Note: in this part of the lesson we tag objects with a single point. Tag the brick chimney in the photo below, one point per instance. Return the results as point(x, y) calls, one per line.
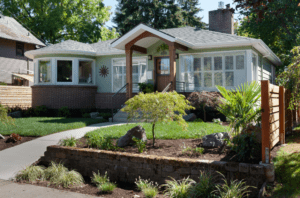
point(221, 20)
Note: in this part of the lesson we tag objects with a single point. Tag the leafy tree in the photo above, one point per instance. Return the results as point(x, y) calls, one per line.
point(275, 22)
point(3, 116)
point(57, 20)
point(159, 14)
point(290, 78)
point(241, 106)
point(158, 107)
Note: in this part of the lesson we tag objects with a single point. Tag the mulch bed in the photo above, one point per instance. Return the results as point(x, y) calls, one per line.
point(4, 144)
point(174, 148)
point(123, 190)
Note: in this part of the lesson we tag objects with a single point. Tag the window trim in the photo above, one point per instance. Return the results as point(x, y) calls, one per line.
point(124, 65)
point(23, 49)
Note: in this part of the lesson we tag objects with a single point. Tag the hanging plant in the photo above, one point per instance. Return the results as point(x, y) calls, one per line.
point(162, 48)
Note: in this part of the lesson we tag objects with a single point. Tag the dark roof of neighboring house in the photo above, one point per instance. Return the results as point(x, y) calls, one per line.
point(13, 30)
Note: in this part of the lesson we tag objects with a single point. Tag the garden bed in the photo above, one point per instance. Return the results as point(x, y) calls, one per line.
point(180, 148)
point(4, 144)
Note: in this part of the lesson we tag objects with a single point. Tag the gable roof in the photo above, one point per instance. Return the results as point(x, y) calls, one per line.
point(189, 36)
point(13, 30)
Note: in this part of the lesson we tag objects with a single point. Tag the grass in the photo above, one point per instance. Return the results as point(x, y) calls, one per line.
point(40, 126)
point(164, 131)
point(287, 170)
point(178, 189)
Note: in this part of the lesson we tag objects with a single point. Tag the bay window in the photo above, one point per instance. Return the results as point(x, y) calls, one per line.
point(64, 71)
point(44, 71)
point(85, 72)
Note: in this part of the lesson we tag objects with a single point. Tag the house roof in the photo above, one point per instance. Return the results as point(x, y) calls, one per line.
point(189, 36)
point(13, 30)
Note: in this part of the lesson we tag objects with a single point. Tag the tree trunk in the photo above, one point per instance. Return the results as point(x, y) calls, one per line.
point(153, 134)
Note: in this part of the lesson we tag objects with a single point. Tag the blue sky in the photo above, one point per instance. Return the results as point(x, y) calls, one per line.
point(206, 5)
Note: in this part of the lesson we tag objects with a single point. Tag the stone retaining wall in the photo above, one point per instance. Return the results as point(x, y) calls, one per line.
point(126, 167)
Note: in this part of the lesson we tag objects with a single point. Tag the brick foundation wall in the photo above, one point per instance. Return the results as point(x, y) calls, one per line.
point(126, 167)
point(57, 96)
point(103, 100)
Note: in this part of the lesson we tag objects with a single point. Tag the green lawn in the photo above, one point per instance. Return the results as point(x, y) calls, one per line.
point(165, 131)
point(40, 126)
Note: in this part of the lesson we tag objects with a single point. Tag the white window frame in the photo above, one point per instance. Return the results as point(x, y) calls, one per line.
point(124, 75)
point(36, 69)
point(222, 54)
point(255, 73)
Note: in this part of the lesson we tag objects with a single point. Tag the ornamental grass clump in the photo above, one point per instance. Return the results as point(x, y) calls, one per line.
point(107, 187)
point(149, 188)
point(31, 173)
point(158, 107)
point(178, 189)
point(70, 142)
point(204, 187)
point(98, 179)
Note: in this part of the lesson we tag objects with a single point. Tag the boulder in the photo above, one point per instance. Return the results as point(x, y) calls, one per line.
point(94, 115)
point(16, 114)
point(2, 137)
point(138, 132)
point(190, 117)
point(215, 139)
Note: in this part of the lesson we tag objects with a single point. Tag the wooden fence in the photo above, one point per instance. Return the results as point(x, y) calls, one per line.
point(276, 118)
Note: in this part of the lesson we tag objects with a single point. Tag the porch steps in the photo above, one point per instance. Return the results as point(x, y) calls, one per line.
point(122, 117)
point(13, 96)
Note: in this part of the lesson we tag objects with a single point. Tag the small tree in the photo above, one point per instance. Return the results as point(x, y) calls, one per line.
point(158, 107)
point(3, 116)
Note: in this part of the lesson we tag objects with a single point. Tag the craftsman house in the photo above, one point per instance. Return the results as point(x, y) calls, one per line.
point(15, 40)
point(80, 75)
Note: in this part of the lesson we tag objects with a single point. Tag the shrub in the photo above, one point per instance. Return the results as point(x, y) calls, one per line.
point(107, 187)
point(105, 116)
point(150, 192)
point(71, 142)
point(204, 187)
point(3, 83)
point(241, 106)
point(86, 115)
point(31, 173)
point(29, 112)
point(146, 87)
point(3, 116)
point(247, 148)
point(217, 121)
point(41, 110)
point(96, 140)
point(140, 144)
point(158, 107)
point(198, 120)
point(178, 189)
point(191, 151)
point(99, 179)
point(236, 189)
point(64, 112)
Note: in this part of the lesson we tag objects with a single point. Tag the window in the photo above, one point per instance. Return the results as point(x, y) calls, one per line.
point(229, 72)
point(20, 49)
point(163, 66)
point(240, 62)
point(64, 71)
point(44, 71)
point(254, 66)
point(139, 69)
point(85, 72)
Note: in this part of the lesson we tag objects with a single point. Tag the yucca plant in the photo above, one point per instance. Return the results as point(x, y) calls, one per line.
point(178, 189)
point(236, 189)
point(31, 173)
point(241, 106)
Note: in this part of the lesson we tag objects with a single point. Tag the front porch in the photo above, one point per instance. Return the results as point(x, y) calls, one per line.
point(138, 40)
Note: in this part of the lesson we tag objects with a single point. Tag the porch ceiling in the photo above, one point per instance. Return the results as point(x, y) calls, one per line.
point(147, 42)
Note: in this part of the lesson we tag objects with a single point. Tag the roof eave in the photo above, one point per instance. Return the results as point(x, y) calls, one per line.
point(33, 53)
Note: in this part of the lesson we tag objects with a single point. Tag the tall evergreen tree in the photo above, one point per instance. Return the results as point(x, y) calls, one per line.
point(159, 14)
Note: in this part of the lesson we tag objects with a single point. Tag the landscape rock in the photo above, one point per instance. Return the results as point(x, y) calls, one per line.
point(215, 139)
point(94, 115)
point(138, 132)
point(190, 117)
point(16, 114)
point(2, 137)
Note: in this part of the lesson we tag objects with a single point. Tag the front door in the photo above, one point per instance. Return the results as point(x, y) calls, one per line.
point(162, 73)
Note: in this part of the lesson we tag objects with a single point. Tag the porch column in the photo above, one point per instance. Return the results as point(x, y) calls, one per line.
point(172, 53)
point(129, 72)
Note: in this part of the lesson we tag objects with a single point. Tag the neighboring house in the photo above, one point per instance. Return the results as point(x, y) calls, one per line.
point(15, 40)
point(73, 74)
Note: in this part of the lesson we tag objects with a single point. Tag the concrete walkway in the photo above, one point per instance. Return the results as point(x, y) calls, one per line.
point(12, 190)
point(14, 159)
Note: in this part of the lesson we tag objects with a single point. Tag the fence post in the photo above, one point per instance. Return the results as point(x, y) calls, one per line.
point(265, 121)
point(281, 115)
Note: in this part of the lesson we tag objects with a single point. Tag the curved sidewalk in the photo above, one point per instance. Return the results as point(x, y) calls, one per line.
point(14, 159)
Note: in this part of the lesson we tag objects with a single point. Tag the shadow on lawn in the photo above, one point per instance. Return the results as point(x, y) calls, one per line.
point(87, 121)
point(287, 171)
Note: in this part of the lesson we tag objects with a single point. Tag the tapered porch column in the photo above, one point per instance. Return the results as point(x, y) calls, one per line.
point(172, 53)
point(129, 72)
